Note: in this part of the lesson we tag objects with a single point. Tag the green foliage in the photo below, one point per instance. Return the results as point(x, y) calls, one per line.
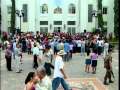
point(116, 18)
point(100, 17)
point(12, 29)
point(93, 30)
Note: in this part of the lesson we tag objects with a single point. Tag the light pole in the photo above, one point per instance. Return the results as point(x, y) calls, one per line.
point(20, 14)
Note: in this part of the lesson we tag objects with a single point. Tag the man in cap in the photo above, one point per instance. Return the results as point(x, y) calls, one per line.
point(59, 74)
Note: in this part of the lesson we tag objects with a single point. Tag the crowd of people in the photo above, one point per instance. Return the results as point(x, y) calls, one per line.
point(54, 46)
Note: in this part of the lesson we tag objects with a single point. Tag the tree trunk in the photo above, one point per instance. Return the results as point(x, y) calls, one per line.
point(100, 17)
point(116, 18)
point(12, 29)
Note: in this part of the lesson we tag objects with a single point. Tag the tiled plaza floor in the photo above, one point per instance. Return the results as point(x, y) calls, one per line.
point(73, 69)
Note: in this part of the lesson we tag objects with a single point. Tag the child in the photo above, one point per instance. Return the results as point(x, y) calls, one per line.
point(30, 81)
point(94, 57)
point(87, 62)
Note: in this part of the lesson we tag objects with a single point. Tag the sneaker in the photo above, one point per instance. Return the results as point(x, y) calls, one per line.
point(21, 69)
point(105, 83)
point(18, 72)
point(93, 72)
point(10, 70)
point(111, 81)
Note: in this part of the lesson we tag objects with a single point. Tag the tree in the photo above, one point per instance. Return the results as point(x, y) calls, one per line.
point(116, 18)
point(12, 29)
point(100, 16)
point(0, 20)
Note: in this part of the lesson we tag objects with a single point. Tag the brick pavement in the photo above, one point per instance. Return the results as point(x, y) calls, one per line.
point(74, 69)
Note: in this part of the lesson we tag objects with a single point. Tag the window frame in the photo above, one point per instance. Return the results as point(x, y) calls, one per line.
point(105, 10)
point(72, 9)
point(57, 22)
point(42, 9)
point(9, 9)
point(68, 22)
point(45, 22)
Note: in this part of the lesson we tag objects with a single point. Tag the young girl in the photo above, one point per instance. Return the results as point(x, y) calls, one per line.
point(94, 57)
point(30, 81)
point(87, 62)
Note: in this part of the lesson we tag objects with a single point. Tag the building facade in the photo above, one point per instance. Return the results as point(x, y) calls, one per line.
point(71, 16)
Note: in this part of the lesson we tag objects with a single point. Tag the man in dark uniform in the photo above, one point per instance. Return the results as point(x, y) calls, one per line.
point(108, 66)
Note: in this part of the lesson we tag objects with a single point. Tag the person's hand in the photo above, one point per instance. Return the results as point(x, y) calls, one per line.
point(65, 77)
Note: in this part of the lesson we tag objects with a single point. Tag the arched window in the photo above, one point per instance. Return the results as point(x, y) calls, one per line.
point(58, 10)
point(72, 9)
point(44, 9)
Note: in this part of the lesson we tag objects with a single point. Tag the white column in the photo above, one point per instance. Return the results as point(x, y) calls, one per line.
point(31, 15)
point(4, 15)
point(83, 15)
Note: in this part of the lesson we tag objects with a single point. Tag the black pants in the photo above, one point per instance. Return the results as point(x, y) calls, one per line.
point(99, 50)
point(48, 67)
point(8, 63)
point(29, 50)
point(66, 57)
point(78, 49)
point(70, 54)
point(51, 58)
point(55, 50)
point(24, 48)
point(35, 63)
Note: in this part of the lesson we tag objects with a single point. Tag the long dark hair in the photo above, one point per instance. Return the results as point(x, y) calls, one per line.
point(29, 76)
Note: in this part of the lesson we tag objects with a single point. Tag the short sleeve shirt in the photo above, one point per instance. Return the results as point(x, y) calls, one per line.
point(59, 64)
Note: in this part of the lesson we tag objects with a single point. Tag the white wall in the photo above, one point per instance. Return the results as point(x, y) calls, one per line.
point(109, 17)
point(52, 17)
point(4, 15)
point(91, 25)
point(34, 16)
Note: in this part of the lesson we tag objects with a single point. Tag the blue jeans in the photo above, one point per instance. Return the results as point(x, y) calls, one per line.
point(82, 50)
point(66, 56)
point(56, 82)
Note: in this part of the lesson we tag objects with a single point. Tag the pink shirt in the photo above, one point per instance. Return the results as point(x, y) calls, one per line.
point(94, 56)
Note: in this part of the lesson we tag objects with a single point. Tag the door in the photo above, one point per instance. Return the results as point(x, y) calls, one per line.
point(57, 29)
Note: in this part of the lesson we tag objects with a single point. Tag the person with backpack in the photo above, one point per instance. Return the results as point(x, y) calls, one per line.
point(108, 67)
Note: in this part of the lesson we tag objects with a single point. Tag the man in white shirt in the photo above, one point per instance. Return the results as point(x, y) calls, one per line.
point(35, 51)
point(78, 45)
point(48, 64)
point(59, 74)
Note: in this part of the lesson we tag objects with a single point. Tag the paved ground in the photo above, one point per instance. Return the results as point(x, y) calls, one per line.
point(74, 69)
